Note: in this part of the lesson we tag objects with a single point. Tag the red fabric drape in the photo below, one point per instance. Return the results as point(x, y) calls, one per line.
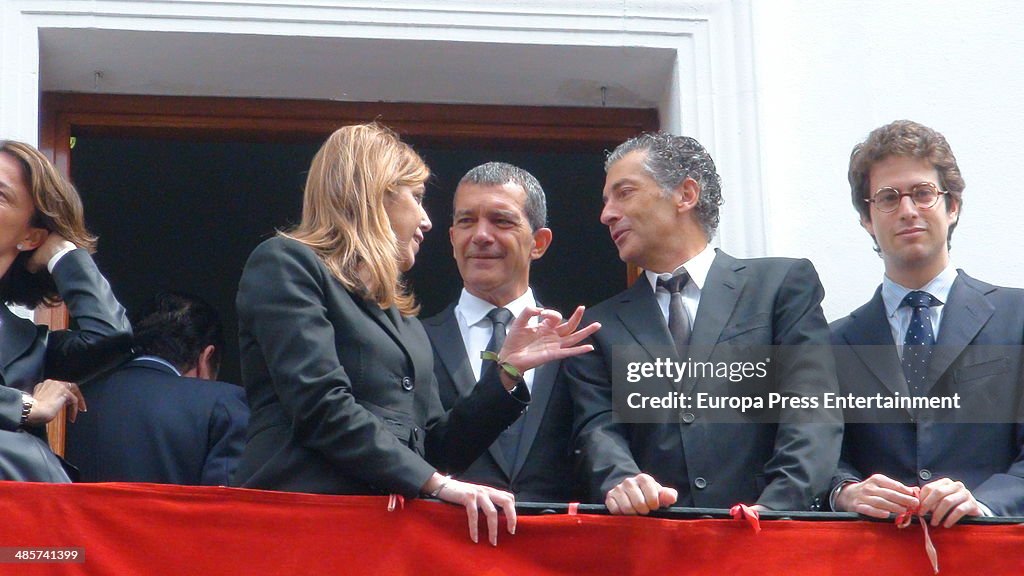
point(154, 530)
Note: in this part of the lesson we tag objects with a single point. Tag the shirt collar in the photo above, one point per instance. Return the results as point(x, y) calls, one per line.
point(939, 287)
point(159, 360)
point(475, 309)
point(697, 267)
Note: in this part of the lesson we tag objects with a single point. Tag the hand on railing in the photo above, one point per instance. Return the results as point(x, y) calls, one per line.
point(476, 498)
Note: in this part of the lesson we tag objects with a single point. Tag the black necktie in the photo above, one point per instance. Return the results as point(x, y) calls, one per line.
point(500, 317)
point(678, 320)
point(918, 343)
point(508, 441)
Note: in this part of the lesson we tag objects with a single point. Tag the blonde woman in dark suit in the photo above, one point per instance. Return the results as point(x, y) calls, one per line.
point(44, 258)
point(337, 369)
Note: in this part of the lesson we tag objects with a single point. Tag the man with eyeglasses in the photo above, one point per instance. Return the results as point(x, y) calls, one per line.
point(929, 333)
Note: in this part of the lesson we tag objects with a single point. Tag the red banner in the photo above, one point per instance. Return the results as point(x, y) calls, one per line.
point(128, 529)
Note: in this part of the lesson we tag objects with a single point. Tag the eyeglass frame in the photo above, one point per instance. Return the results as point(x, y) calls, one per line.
point(900, 195)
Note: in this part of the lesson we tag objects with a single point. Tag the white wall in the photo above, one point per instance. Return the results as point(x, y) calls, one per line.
point(830, 72)
point(778, 90)
point(690, 58)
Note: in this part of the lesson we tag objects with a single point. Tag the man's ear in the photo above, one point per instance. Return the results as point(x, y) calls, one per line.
point(688, 194)
point(205, 367)
point(867, 225)
point(954, 209)
point(541, 242)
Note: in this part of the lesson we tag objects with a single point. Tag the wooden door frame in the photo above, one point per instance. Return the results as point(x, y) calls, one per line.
point(263, 119)
point(547, 128)
point(64, 114)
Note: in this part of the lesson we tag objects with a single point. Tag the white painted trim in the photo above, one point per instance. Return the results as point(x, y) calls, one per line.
point(708, 92)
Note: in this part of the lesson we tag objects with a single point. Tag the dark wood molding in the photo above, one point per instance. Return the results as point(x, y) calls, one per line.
point(549, 128)
point(270, 119)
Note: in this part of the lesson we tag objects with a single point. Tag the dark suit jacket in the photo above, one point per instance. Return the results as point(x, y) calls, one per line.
point(147, 424)
point(978, 356)
point(30, 353)
point(342, 393)
point(542, 471)
point(744, 304)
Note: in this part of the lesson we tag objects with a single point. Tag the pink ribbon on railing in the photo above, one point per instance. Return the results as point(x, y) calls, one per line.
point(744, 512)
point(904, 519)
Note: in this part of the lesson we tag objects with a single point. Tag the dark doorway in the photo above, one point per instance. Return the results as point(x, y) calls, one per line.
point(175, 214)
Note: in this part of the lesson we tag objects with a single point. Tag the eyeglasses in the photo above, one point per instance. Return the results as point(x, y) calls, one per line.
point(925, 195)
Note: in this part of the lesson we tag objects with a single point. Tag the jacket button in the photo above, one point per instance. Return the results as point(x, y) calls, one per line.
point(925, 474)
point(688, 418)
point(406, 383)
point(700, 482)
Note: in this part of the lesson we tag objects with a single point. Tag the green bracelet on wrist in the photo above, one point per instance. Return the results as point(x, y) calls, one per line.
point(509, 369)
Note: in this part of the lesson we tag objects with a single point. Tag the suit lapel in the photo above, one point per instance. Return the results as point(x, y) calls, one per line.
point(718, 299)
point(499, 458)
point(543, 382)
point(449, 347)
point(384, 318)
point(963, 316)
point(394, 325)
point(641, 315)
point(870, 337)
point(452, 353)
point(16, 336)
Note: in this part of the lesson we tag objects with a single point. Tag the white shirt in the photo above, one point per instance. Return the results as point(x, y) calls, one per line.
point(899, 316)
point(698, 268)
point(476, 327)
point(159, 360)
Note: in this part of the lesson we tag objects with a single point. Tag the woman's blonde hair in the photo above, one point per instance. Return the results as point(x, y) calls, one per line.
point(343, 216)
point(58, 208)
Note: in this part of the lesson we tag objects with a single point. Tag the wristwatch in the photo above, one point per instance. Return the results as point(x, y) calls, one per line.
point(27, 403)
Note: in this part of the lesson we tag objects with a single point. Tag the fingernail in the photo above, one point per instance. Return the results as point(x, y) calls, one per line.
point(513, 530)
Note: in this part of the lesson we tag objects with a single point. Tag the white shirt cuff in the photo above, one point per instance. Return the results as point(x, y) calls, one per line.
point(985, 511)
point(56, 258)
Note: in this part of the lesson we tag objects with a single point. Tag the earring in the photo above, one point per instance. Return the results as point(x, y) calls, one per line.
point(21, 247)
